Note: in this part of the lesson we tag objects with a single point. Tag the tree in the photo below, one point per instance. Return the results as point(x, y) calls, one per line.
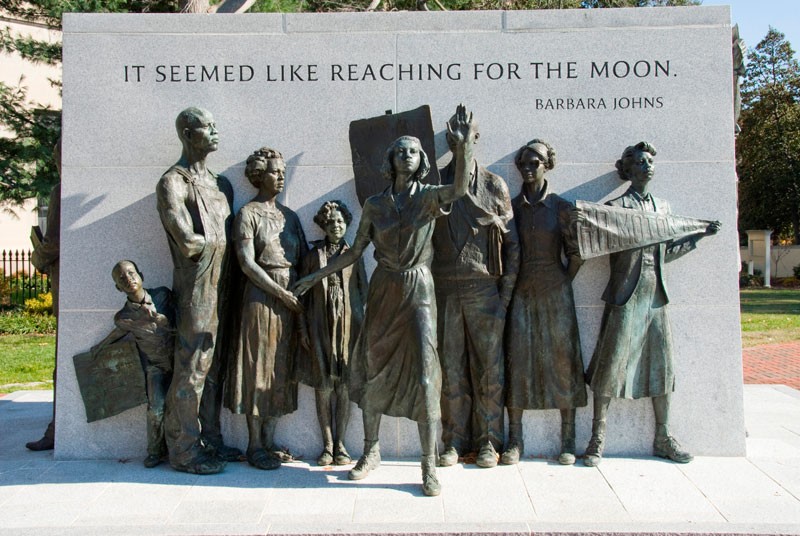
point(768, 146)
point(26, 159)
point(453, 5)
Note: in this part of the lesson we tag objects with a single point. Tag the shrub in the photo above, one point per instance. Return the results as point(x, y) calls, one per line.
point(20, 323)
point(5, 290)
point(788, 282)
point(750, 281)
point(796, 271)
point(40, 305)
point(16, 288)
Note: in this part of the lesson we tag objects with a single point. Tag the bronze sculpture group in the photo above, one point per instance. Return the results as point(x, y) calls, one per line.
point(469, 311)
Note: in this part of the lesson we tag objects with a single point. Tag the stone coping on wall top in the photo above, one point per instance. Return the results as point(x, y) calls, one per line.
point(405, 22)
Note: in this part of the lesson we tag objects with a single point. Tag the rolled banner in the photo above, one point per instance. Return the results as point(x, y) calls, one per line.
point(603, 229)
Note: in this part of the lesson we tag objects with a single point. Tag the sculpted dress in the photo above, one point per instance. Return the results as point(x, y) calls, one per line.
point(545, 367)
point(395, 368)
point(633, 358)
point(262, 381)
point(335, 312)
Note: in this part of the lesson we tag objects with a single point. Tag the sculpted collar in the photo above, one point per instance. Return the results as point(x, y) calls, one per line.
point(410, 191)
point(147, 300)
point(325, 245)
point(641, 198)
point(546, 199)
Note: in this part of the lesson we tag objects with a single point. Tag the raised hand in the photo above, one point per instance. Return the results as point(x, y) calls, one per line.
point(460, 128)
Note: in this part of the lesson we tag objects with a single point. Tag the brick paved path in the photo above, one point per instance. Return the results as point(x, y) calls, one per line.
point(773, 363)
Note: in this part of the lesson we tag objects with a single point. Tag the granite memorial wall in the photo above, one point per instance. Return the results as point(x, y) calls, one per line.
point(590, 82)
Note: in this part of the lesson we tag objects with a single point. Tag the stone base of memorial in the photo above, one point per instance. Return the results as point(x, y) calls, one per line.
point(591, 82)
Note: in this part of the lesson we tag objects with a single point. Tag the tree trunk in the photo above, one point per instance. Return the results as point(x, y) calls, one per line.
point(233, 6)
point(194, 6)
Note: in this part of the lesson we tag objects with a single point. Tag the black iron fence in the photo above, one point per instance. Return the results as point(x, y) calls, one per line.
point(19, 279)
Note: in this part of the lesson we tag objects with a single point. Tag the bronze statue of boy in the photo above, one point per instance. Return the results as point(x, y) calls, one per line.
point(148, 317)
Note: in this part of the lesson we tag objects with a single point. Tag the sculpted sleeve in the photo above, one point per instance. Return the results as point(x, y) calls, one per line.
point(511, 250)
point(568, 237)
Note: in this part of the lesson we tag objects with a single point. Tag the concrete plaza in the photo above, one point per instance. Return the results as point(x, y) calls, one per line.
point(759, 494)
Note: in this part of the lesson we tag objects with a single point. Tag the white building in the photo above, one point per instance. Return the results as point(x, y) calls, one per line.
point(16, 222)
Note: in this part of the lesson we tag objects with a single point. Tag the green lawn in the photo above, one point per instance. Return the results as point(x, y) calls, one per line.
point(770, 316)
point(26, 360)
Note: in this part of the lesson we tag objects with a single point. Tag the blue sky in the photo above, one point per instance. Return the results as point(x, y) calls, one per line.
point(756, 16)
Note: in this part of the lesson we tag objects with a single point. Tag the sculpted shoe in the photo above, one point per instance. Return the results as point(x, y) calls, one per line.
point(326, 458)
point(229, 454)
point(512, 453)
point(366, 463)
point(567, 456)
point(448, 457)
point(205, 464)
point(152, 460)
point(282, 454)
point(594, 451)
point(430, 483)
point(487, 456)
point(341, 457)
point(669, 448)
point(45, 443)
point(261, 459)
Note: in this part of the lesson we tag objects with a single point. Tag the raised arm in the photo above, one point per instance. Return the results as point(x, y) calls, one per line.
point(676, 249)
point(171, 194)
point(463, 133)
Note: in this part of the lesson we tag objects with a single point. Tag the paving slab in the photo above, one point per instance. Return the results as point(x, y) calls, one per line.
point(576, 493)
point(502, 487)
point(654, 490)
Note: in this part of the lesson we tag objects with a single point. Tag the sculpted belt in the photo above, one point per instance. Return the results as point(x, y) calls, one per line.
point(447, 284)
point(403, 270)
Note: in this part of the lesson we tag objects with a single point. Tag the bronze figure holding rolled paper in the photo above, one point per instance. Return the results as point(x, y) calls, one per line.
point(634, 355)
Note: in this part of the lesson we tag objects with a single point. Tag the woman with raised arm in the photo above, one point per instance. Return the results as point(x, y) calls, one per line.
point(395, 370)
